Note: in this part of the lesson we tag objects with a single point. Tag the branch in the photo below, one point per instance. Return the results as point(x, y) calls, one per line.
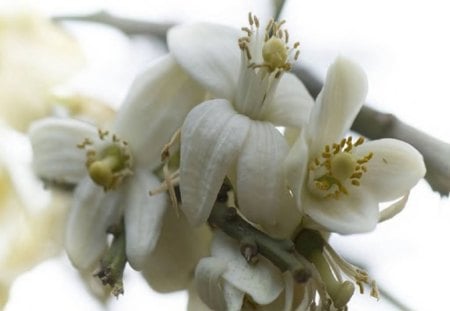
point(280, 252)
point(375, 124)
point(126, 25)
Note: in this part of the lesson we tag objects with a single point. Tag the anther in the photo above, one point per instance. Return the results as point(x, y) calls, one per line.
point(286, 36)
point(355, 182)
point(256, 21)
point(250, 18)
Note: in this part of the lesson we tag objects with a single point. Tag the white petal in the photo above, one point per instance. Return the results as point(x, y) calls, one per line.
point(295, 168)
point(55, 153)
point(143, 217)
point(262, 281)
point(393, 209)
point(338, 103)
point(260, 183)
point(291, 103)
point(93, 211)
point(353, 213)
point(395, 168)
point(233, 297)
point(156, 105)
point(211, 138)
point(208, 282)
point(165, 270)
point(210, 54)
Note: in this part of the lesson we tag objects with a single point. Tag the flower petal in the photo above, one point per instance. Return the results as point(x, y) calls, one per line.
point(210, 54)
point(260, 183)
point(165, 270)
point(393, 209)
point(93, 211)
point(337, 105)
point(143, 217)
point(263, 281)
point(55, 153)
point(208, 282)
point(354, 213)
point(295, 168)
point(233, 297)
point(291, 103)
point(156, 105)
point(394, 169)
point(211, 138)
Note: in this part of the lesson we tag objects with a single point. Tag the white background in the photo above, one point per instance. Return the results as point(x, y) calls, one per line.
point(404, 48)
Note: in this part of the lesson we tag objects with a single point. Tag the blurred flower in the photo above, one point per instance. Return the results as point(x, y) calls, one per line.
point(235, 134)
point(76, 105)
point(31, 221)
point(113, 170)
point(35, 56)
point(339, 182)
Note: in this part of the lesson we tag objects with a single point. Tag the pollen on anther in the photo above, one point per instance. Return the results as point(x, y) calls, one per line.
point(286, 36)
point(250, 19)
point(355, 182)
point(256, 21)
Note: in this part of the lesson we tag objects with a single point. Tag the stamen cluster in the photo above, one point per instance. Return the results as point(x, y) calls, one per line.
point(270, 51)
point(336, 167)
point(109, 162)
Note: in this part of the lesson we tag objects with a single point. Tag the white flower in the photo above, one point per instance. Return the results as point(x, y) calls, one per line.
point(235, 134)
point(223, 279)
point(339, 182)
point(113, 170)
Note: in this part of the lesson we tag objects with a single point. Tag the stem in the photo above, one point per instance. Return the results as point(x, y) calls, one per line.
point(279, 252)
point(113, 262)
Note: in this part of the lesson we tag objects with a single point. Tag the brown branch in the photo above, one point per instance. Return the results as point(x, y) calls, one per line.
point(375, 124)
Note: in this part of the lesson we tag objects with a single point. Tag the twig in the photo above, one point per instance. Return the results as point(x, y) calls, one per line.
point(126, 25)
point(279, 252)
point(375, 124)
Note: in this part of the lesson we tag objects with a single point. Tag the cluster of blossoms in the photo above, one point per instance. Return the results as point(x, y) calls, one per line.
point(217, 102)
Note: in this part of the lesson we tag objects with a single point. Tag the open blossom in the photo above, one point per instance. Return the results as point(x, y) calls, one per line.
point(113, 169)
point(339, 181)
point(234, 134)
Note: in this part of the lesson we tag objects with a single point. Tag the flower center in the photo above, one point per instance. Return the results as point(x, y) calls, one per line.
point(109, 161)
point(265, 57)
point(274, 53)
point(269, 50)
point(337, 168)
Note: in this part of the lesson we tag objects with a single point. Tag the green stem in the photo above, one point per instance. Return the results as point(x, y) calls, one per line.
point(114, 261)
point(280, 252)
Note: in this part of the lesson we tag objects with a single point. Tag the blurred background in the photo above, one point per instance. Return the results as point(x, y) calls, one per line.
point(402, 45)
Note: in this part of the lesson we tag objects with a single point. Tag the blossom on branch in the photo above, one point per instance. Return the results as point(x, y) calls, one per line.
point(339, 181)
point(235, 133)
point(113, 169)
